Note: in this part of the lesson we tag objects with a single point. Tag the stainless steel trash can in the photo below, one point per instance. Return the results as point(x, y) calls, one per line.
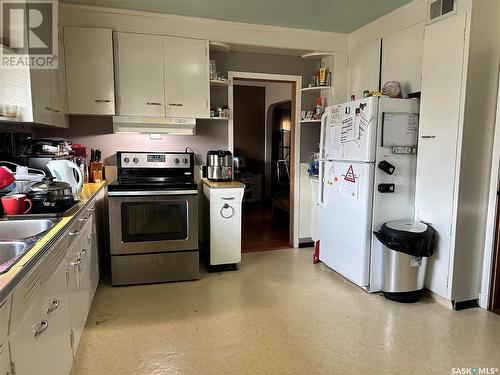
point(407, 245)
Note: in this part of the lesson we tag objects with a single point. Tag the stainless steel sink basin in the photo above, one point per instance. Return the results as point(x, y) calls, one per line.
point(22, 229)
point(10, 252)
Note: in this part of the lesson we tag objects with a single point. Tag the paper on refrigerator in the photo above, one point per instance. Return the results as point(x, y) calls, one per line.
point(350, 129)
point(363, 120)
point(333, 146)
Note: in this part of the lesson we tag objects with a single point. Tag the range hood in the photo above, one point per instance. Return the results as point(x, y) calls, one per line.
point(165, 125)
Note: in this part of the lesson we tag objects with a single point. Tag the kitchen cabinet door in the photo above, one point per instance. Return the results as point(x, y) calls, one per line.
point(89, 70)
point(4, 345)
point(139, 71)
point(58, 92)
point(440, 113)
point(402, 57)
point(59, 355)
point(186, 77)
point(4, 359)
point(364, 69)
point(78, 289)
point(94, 254)
point(41, 100)
point(28, 346)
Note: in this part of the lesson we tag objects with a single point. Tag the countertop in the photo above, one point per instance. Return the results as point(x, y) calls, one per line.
point(9, 279)
point(223, 184)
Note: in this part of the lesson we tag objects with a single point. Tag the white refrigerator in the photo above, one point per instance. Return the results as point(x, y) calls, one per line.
point(367, 177)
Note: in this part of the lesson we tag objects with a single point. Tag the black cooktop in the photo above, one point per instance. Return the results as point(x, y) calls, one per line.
point(164, 183)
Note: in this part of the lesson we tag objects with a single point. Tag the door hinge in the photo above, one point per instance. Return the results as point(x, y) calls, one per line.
point(12, 368)
point(71, 338)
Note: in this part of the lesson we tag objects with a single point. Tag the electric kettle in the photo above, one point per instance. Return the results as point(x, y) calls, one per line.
point(64, 170)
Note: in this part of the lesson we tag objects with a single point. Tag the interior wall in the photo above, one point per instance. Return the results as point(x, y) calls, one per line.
point(97, 132)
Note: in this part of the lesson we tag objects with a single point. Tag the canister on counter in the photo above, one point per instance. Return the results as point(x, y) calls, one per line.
point(366, 93)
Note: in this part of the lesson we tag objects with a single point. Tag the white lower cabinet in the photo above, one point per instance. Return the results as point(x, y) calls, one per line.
point(49, 307)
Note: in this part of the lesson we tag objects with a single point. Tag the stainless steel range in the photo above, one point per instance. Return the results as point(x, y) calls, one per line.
point(153, 218)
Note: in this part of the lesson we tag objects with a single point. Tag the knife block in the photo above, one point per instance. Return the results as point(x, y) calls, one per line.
point(95, 171)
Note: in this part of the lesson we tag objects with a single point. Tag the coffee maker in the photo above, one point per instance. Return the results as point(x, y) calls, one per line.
point(220, 165)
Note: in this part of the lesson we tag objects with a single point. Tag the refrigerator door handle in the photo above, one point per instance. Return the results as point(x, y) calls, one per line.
point(321, 185)
point(324, 118)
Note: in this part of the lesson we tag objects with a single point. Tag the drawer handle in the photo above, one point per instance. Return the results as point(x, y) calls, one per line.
point(84, 251)
point(176, 105)
point(77, 262)
point(91, 209)
point(226, 207)
point(102, 101)
point(229, 198)
point(428, 136)
point(54, 306)
point(42, 327)
point(1, 348)
point(56, 110)
point(153, 103)
point(74, 233)
point(48, 109)
point(85, 219)
point(91, 236)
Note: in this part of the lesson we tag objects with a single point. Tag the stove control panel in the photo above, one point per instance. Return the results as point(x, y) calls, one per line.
point(154, 160)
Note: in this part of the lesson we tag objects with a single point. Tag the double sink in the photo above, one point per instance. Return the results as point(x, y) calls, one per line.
point(17, 237)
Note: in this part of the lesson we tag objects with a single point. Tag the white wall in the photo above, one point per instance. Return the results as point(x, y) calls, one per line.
point(203, 28)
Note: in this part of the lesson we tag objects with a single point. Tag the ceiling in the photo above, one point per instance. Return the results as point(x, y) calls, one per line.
point(341, 16)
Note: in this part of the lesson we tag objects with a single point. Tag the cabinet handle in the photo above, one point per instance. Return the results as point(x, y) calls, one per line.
point(428, 136)
point(77, 262)
point(229, 198)
point(84, 251)
point(175, 104)
point(1, 348)
point(42, 327)
point(225, 207)
point(54, 306)
point(153, 103)
point(48, 109)
point(74, 233)
point(102, 101)
point(91, 209)
point(91, 236)
point(85, 219)
point(56, 110)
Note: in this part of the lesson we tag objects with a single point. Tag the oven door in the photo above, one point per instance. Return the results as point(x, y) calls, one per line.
point(151, 222)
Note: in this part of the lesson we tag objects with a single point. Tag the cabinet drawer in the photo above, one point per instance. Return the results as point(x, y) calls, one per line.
point(226, 196)
point(28, 291)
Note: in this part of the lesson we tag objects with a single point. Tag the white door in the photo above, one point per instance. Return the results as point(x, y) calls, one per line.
point(27, 345)
point(402, 57)
point(440, 114)
point(364, 69)
point(89, 70)
point(139, 70)
point(345, 221)
point(58, 91)
point(186, 77)
point(40, 96)
point(78, 289)
point(59, 355)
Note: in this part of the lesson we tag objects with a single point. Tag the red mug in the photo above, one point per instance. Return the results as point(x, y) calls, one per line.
point(16, 204)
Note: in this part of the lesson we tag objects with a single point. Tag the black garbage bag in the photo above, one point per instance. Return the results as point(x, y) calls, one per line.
point(419, 244)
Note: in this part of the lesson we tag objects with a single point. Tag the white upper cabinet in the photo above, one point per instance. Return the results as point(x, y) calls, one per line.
point(58, 91)
point(89, 70)
point(161, 76)
point(41, 102)
point(402, 57)
point(186, 77)
point(364, 69)
point(440, 114)
point(139, 71)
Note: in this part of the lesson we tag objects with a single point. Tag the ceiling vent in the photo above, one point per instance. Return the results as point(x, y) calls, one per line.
point(439, 9)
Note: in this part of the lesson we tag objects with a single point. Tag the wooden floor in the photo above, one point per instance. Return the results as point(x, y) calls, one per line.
point(261, 230)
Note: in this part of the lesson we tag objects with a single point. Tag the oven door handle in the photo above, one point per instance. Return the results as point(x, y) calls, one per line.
point(150, 193)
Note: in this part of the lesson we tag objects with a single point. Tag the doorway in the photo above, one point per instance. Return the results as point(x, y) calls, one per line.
point(262, 139)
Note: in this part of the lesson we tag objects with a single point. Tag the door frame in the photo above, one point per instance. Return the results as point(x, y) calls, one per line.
point(296, 82)
point(491, 219)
